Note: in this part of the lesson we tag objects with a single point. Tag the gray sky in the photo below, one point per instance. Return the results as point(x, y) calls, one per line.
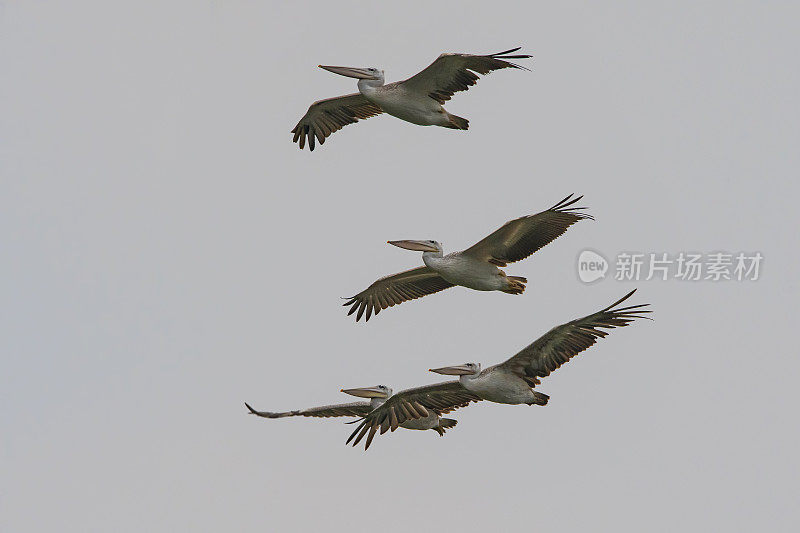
point(168, 253)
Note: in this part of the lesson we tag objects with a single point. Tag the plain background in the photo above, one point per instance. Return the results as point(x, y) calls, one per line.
point(168, 253)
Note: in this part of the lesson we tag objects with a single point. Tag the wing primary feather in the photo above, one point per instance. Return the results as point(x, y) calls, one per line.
point(355, 432)
point(371, 435)
point(363, 432)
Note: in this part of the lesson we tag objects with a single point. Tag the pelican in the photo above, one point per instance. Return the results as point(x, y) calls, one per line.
point(430, 419)
point(512, 381)
point(476, 267)
point(417, 408)
point(377, 396)
point(417, 100)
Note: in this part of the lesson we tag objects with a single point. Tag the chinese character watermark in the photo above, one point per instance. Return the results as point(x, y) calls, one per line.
point(663, 266)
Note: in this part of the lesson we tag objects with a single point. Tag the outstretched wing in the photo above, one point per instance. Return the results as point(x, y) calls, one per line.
point(396, 289)
point(328, 116)
point(412, 404)
point(564, 342)
point(451, 73)
point(519, 238)
point(325, 411)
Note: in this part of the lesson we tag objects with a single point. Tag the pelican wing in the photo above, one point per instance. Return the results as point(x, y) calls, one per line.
point(519, 238)
point(325, 411)
point(451, 73)
point(328, 116)
point(396, 289)
point(413, 404)
point(563, 342)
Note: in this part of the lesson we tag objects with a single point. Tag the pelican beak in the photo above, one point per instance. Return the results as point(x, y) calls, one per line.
point(366, 392)
point(457, 370)
point(350, 72)
point(418, 246)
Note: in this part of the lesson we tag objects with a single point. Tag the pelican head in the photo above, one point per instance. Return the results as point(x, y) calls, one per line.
point(380, 391)
point(467, 369)
point(418, 246)
point(353, 72)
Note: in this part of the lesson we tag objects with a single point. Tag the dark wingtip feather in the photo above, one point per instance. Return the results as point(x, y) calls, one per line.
point(371, 436)
point(353, 434)
point(562, 203)
point(610, 307)
point(518, 66)
point(630, 312)
point(565, 206)
point(504, 56)
point(506, 52)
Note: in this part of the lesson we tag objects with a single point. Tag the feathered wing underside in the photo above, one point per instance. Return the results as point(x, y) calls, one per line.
point(396, 289)
point(326, 117)
point(413, 404)
point(519, 238)
point(564, 342)
point(325, 411)
point(451, 73)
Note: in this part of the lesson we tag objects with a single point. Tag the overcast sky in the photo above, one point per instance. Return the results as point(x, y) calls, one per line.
point(168, 253)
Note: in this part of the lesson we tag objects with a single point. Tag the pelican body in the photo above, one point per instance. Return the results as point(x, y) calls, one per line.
point(417, 100)
point(419, 418)
point(463, 269)
point(400, 102)
point(512, 381)
point(417, 408)
point(476, 268)
point(495, 384)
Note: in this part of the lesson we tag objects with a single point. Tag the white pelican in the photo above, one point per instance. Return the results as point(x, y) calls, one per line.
point(476, 267)
point(429, 419)
point(417, 100)
point(377, 396)
point(417, 408)
point(512, 381)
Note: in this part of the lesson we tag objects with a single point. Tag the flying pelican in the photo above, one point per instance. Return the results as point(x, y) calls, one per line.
point(430, 419)
point(476, 267)
point(512, 381)
point(417, 408)
point(421, 416)
point(417, 100)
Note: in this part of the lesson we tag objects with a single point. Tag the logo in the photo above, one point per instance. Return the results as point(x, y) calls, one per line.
point(591, 266)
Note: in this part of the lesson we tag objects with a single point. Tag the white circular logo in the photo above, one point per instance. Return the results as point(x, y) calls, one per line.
point(591, 266)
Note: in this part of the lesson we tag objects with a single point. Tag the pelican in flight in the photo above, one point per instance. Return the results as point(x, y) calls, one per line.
point(418, 408)
point(417, 100)
point(377, 396)
point(476, 267)
point(423, 419)
point(512, 381)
